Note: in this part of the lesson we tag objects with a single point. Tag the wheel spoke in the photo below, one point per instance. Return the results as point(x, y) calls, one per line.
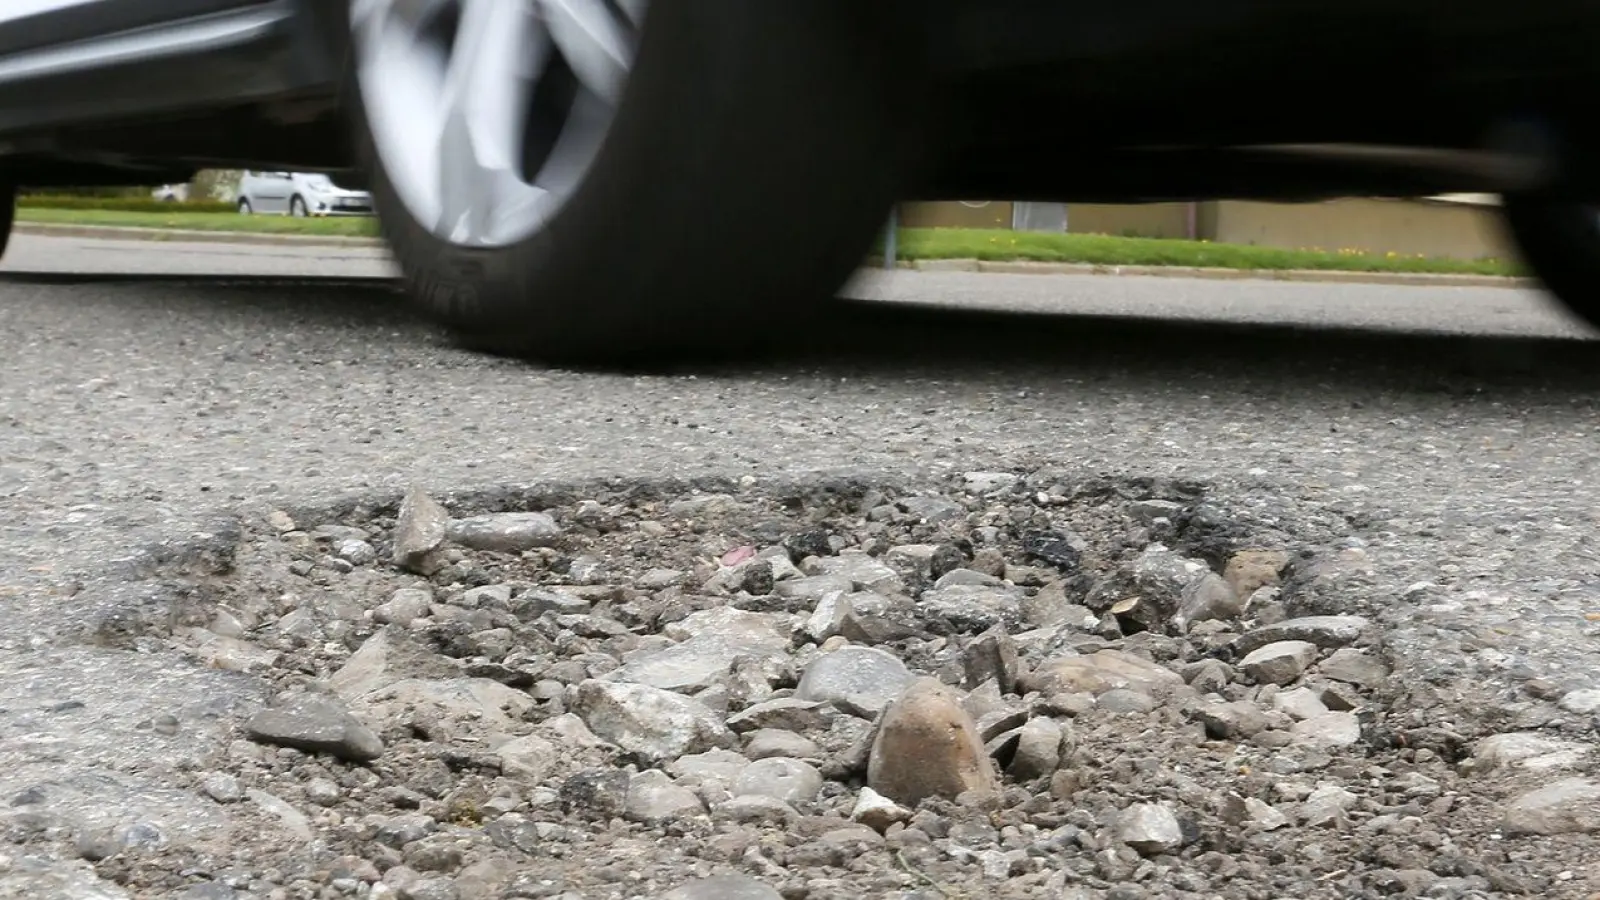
point(498, 47)
point(487, 114)
point(368, 17)
point(596, 39)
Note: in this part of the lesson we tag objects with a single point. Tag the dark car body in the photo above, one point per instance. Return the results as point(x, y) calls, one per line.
point(1132, 101)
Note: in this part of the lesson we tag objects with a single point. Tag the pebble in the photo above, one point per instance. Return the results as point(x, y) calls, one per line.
point(1581, 702)
point(1527, 750)
point(1353, 666)
point(404, 606)
point(420, 529)
point(1280, 662)
point(866, 678)
point(654, 798)
point(316, 724)
point(1150, 828)
point(878, 812)
point(1325, 631)
point(504, 532)
point(657, 725)
point(1102, 671)
point(791, 780)
point(1250, 570)
point(1328, 730)
point(768, 742)
point(222, 787)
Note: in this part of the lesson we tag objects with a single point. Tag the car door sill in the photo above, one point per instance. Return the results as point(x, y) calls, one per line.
point(217, 31)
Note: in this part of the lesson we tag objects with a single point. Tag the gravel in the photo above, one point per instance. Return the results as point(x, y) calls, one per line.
point(619, 709)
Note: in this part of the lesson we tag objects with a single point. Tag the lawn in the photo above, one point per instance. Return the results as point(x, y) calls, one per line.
point(201, 221)
point(914, 244)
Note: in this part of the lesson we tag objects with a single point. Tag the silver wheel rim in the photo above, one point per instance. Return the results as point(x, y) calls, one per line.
point(487, 114)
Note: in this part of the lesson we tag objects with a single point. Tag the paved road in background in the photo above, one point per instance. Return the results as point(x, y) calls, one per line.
point(131, 409)
point(1462, 310)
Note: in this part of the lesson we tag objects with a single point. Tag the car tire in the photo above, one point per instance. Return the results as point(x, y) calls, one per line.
point(244, 207)
point(297, 208)
point(8, 215)
point(1559, 240)
point(750, 163)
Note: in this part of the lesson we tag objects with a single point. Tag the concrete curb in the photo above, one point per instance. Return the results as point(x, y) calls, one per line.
point(1324, 276)
point(118, 232)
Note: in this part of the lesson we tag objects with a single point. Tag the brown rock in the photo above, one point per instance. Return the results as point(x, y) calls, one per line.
point(1102, 671)
point(927, 746)
point(1252, 569)
point(419, 530)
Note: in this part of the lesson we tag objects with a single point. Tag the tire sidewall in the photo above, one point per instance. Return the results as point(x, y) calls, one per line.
point(658, 193)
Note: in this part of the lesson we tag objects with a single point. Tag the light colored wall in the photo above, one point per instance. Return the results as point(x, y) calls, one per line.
point(1153, 220)
point(1407, 227)
point(1425, 227)
point(995, 214)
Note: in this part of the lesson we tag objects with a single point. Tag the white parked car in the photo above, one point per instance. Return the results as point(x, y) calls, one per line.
point(299, 194)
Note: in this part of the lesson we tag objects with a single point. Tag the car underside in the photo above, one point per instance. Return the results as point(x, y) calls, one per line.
point(1044, 101)
point(1135, 102)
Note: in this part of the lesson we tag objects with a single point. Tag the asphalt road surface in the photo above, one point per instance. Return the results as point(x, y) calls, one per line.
point(133, 408)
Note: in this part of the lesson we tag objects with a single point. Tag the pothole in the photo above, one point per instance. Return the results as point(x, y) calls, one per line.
point(996, 686)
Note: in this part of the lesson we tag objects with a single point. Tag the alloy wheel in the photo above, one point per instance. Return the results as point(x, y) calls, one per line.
point(486, 114)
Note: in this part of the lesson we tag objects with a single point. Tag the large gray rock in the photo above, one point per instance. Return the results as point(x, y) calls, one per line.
point(724, 887)
point(1039, 746)
point(449, 709)
point(654, 798)
point(1326, 632)
point(972, 608)
point(1205, 598)
point(790, 780)
point(1280, 662)
point(710, 640)
point(505, 532)
point(387, 657)
point(530, 758)
point(316, 724)
point(865, 572)
point(1153, 586)
point(928, 746)
point(1150, 828)
point(1527, 750)
point(1328, 731)
point(657, 725)
point(863, 678)
point(1356, 667)
point(1568, 806)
